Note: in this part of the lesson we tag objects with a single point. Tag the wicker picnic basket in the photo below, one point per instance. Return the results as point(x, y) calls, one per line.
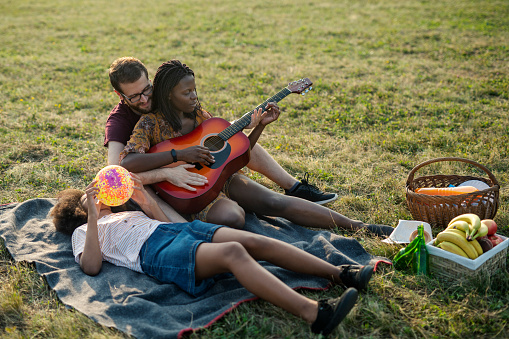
point(451, 271)
point(439, 210)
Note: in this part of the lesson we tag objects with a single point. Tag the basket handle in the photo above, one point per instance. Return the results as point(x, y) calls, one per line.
point(412, 172)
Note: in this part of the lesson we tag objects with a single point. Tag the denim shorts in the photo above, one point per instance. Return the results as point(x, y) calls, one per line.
point(169, 254)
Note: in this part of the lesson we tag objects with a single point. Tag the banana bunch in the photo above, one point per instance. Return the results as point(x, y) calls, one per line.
point(460, 236)
point(470, 224)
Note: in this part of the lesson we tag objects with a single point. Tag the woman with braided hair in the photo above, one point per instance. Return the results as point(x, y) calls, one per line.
point(178, 112)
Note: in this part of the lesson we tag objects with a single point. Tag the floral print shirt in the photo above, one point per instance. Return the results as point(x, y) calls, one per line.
point(151, 129)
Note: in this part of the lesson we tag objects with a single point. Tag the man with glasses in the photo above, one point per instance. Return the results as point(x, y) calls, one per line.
point(129, 78)
point(147, 91)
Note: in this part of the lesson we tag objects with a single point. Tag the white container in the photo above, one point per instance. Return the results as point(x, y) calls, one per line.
point(402, 232)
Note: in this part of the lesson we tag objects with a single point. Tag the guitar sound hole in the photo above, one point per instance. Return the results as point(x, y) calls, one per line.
point(214, 143)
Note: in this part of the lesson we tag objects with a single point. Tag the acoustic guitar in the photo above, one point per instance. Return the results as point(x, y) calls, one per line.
point(229, 146)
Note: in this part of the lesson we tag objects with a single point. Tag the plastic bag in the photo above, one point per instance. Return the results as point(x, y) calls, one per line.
point(415, 255)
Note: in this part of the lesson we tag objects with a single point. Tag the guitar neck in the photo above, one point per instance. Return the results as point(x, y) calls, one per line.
point(239, 125)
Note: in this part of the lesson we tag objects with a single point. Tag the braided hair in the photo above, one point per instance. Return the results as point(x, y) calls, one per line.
point(168, 76)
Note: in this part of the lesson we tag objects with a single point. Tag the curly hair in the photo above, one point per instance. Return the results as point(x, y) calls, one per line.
point(68, 213)
point(168, 76)
point(126, 70)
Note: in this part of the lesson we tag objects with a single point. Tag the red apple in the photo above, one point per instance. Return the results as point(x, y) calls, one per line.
point(492, 226)
point(495, 240)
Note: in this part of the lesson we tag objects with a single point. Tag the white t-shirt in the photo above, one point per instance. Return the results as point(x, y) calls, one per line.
point(121, 236)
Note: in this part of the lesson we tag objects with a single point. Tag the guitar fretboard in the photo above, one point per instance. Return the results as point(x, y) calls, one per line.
point(238, 125)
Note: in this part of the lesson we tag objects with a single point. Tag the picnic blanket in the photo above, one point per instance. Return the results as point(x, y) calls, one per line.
point(139, 305)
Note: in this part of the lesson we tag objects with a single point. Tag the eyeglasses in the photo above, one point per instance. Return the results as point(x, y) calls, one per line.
point(137, 97)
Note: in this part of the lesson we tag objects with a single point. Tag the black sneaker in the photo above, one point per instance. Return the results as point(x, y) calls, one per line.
point(356, 276)
point(332, 312)
point(305, 190)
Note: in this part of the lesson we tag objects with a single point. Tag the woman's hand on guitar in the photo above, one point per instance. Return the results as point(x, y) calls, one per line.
point(259, 116)
point(181, 177)
point(256, 117)
point(272, 110)
point(195, 154)
point(264, 118)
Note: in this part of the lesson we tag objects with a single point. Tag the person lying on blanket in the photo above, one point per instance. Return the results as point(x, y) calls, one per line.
point(190, 254)
point(177, 111)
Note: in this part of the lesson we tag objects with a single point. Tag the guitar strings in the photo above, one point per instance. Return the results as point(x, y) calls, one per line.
point(246, 118)
point(219, 140)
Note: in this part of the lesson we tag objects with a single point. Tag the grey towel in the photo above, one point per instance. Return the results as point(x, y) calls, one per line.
point(139, 305)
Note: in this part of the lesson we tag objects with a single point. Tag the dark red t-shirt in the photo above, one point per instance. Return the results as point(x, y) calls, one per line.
point(120, 124)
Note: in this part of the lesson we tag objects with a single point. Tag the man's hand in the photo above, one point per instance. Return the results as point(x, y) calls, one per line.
point(195, 154)
point(181, 177)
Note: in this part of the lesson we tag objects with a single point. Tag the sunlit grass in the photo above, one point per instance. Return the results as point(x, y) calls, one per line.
point(395, 84)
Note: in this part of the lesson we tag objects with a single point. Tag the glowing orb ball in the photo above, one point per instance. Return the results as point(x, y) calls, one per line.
point(115, 185)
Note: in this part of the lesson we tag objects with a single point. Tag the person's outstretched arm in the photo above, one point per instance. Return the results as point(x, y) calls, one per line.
point(178, 176)
point(142, 162)
point(91, 258)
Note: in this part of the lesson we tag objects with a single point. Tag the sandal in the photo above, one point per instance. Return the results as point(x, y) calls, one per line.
point(332, 312)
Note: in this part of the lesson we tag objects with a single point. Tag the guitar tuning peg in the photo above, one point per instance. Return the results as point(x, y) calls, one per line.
point(310, 88)
point(303, 93)
point(307, 90)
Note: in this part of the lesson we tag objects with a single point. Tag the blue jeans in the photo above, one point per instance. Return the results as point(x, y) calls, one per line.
point(169, 254)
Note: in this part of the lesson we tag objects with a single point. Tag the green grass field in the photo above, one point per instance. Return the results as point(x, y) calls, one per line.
point(395, 83)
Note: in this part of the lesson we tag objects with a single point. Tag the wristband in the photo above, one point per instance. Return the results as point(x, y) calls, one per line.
point(174, 155)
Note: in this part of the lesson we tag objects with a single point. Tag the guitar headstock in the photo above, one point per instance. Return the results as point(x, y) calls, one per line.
point(301, 86)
